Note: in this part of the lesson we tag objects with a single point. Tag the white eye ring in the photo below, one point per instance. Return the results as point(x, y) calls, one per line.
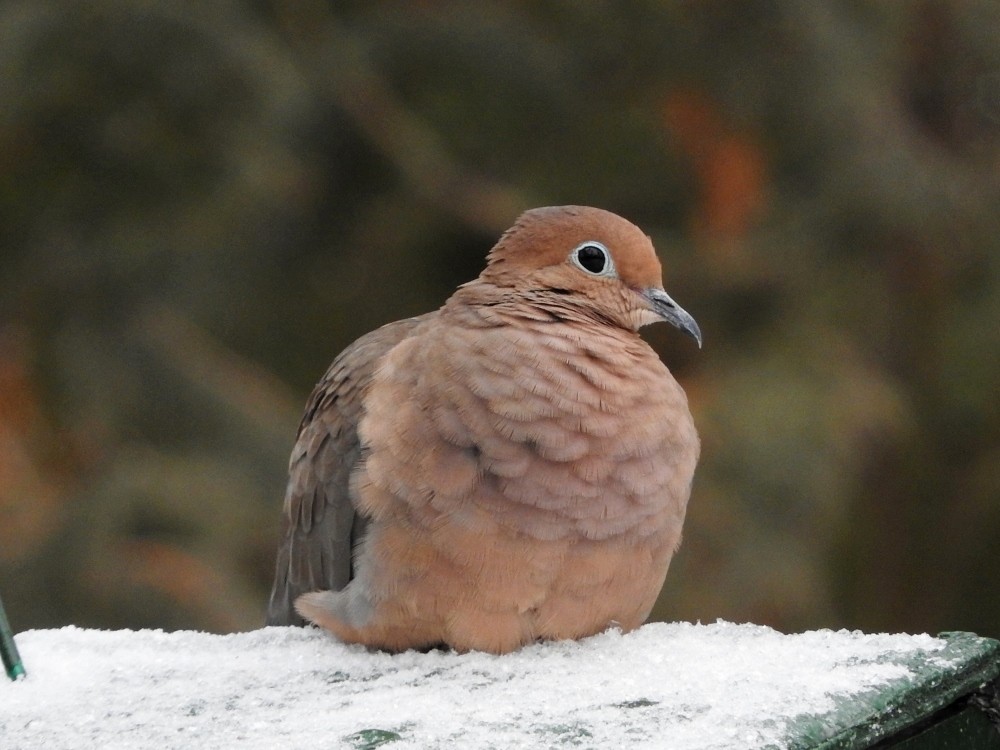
point(597, 263)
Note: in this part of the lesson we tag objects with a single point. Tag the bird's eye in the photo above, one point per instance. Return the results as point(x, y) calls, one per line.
point(593, 258)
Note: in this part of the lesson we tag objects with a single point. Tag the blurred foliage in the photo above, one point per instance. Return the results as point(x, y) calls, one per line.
point(202, 203)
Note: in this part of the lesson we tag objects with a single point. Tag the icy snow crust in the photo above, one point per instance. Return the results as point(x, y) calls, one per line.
point(666, 685)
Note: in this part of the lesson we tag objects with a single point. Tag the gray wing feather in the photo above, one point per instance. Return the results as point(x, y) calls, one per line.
point(320, 525)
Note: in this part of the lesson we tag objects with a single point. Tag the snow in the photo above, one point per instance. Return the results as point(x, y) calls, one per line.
point(664, 685)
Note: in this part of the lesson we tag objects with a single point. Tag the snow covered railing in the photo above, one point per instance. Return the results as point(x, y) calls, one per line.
point(666, 685)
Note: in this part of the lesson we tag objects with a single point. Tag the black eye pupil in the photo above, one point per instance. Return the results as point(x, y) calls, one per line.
point(592, 258)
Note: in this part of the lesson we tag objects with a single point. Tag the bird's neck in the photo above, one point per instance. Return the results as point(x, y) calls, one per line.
point(483, 304)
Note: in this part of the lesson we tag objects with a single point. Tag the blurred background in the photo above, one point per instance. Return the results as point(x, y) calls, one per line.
point(201, 204)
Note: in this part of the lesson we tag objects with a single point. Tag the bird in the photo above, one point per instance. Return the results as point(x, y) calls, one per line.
point(514, 467)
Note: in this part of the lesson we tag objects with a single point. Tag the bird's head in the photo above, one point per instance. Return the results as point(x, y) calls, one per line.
point(585, 261)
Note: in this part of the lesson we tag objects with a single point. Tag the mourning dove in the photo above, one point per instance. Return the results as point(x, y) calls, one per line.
point(510, 468)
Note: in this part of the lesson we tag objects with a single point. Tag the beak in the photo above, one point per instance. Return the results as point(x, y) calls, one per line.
point(661, 304)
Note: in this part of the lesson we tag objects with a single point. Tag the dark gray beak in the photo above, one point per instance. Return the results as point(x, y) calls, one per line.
point(661, 304)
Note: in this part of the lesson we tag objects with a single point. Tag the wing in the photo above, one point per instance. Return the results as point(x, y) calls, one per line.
point(320, 525)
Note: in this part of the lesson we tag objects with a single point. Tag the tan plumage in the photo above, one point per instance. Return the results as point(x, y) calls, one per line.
point(514, 466)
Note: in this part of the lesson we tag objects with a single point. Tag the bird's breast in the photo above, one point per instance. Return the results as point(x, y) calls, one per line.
point(544, 430)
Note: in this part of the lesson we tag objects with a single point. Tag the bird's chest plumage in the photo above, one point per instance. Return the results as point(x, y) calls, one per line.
point(522, 482)
point(547, 430)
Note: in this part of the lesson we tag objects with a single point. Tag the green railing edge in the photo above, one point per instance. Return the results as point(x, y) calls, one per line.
point(876, 715)
point(8, 649)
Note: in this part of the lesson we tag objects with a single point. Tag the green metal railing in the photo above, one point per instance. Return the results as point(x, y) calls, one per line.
point(8, 649)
